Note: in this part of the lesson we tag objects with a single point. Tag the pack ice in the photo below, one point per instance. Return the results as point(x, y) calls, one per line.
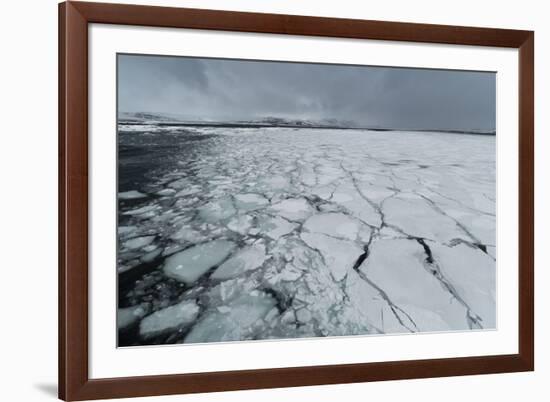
point(244, 234)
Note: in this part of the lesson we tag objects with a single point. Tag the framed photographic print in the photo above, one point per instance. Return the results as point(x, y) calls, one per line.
point(258, 200)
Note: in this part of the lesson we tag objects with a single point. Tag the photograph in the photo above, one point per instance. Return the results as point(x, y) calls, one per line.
point(267, 200)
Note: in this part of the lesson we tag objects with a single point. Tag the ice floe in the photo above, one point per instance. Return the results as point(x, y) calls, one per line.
point(129, 315)
point(236, 322)
point(286, 233)
point(339, 255)
point(333, 224)
point(166, 192)
point(138, 242)
point(146, 210)
point(293, 209)
point(188, 265)
point(131, 195)
point(398, 268)
point(240, 224)
point(275, 227)
point(470, 271)
point(247, 202)
point(217, 210)
point(246, 259)
point(169, 318)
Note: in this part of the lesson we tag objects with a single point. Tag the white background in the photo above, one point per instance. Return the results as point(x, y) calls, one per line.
point(28, 155)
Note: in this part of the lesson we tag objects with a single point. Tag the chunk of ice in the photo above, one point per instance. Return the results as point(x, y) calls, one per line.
point(217, 210)
point(303, 315)
point(131, 195)
point(294, 209)
point(333, 224)
point(189, 191)
point(188, 265)
point(240, 224)
point(416, 217)
point(166, 192)
point(129, 315)
point(472, 274)
point(151, 255)
point(247, 259)
point(348, 196)
point(397, 267)
point(138, 242)
point(275, 227)
point(169, 318)
point(141, 211)
point(236, 324)
point(249, 202)
point(339, 255)
point(124, 230)
point(186, 233)
point(368, 306)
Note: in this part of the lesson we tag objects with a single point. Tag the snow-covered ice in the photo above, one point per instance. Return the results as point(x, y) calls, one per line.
point(275, 227)
point(247, 202)
point(138, 242)
point(169, 318)
point(129, 315)
point(397, 268)
point(338, 255)
point(131, 195)
point(264, 233)
point(235, 322)
point(188, 265)
point(333, 224)
point(246, 259)
point(293, 209)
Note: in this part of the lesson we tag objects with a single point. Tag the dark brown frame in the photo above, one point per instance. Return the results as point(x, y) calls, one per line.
point(74, 383)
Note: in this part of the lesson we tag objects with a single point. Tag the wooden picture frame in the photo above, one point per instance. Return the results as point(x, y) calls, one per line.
point(74, 381)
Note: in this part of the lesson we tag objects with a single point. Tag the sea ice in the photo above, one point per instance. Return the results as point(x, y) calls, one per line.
point(246, 259)
point(348, 196)
point(188, 191)
point(398, 268)
point(141, 211)
point(138, 242)
point(217, 210)
point(240, 224)
point(188, 265)
point(150, 256)
point(284, 232)
point(333, 224)
point(275, 227)
point(124, 230)
point(166, 192)
point(293, 209)
point(248, 202)
point(169, 318)
point(237, 323)
point(303, 315)
point(471, 273)
point(368, 306)
point(416, 217)
point(129, 315)
point(131, 195)
point(339, 255)
point(187, 233)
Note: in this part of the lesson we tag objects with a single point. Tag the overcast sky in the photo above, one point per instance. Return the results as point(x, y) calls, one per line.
point(222, 90)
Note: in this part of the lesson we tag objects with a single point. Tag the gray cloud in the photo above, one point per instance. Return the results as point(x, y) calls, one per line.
point(220, 89)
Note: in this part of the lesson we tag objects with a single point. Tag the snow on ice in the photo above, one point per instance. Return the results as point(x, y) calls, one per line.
point(243, 234)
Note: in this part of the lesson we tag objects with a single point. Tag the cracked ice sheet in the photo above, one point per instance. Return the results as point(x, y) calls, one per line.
point(472, 274)
point(317, 225)
point(398, 268)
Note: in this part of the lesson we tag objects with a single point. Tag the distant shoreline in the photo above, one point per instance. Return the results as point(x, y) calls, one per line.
point(301, 126)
